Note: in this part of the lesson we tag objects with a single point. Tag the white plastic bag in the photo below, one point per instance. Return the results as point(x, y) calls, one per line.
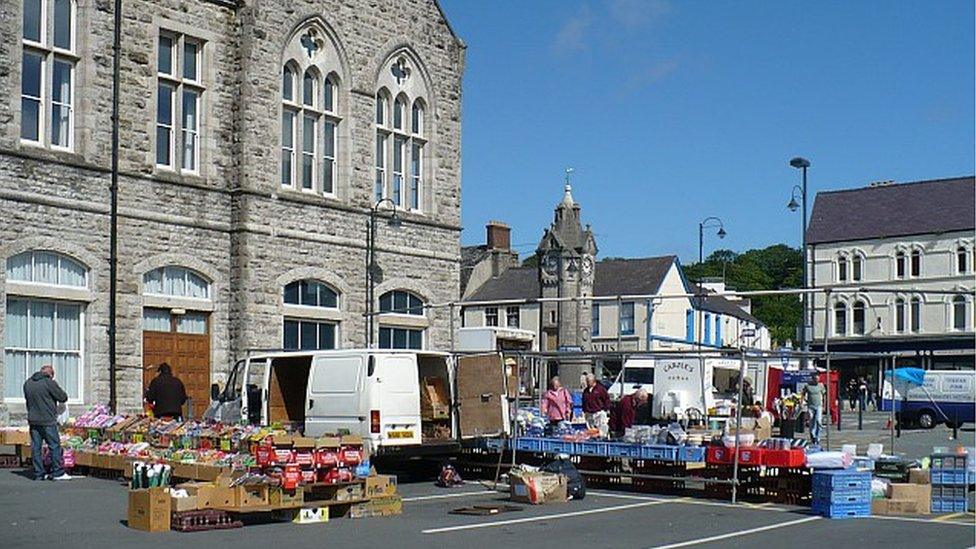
point(62, 413)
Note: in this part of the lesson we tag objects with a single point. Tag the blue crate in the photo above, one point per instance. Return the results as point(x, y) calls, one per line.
point(844, 496)
point(947, 505)
point(948, 461)
point(842, 510)
point(949, 476)
point(621, 449)
point(828, 480)
point(692, 454)
point(660, 452)
point(494, 444)
point(591, 448)
point(528, 444)
point(557, 446)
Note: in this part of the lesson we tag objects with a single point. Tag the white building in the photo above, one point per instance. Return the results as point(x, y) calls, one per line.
point(905, 239)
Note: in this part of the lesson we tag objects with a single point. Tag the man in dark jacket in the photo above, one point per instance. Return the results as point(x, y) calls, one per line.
point(43, 395)
point(166, 394)
point(596, 406)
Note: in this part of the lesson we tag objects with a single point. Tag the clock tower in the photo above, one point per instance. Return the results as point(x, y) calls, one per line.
point(566, 256)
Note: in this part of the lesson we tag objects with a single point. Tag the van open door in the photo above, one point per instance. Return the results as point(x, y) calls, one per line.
point(482, 406)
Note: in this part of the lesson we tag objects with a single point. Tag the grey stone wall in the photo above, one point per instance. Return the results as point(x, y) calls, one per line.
point(232, 221)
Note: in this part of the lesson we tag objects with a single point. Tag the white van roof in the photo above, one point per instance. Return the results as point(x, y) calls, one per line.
point(346, 352)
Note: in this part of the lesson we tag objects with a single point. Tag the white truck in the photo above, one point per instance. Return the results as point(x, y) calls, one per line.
point(376, 394)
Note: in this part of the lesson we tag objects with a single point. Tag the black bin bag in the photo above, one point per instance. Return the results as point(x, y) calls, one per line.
point(575, 485)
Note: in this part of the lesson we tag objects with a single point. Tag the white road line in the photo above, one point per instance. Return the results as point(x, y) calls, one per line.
point(737, 534)
point(455, 495)
point(626, 496)
point(542, 518)
point(687, 501)
point(927, 521)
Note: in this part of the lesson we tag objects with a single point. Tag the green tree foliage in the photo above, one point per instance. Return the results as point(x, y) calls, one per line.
point(776, 267)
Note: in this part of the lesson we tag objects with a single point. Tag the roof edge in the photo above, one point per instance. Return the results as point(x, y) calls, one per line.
point(896, 184)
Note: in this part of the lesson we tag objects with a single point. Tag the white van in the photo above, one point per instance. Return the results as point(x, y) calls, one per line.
point(372, 393)
point(637, 373)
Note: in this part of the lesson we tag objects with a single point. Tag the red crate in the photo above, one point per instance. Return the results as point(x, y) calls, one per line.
point(795, 457)
point(718, 455)
point(751, 456)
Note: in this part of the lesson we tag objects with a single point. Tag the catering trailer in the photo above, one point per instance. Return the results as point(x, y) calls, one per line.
point(397, 400)
point(702, 384)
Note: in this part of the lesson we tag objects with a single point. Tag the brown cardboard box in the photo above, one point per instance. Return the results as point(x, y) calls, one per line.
point(83, 459)
point(919, 476)
point(349, 493)
point(434, 399)
point(220, 497)
point(386, 506)
point(253, 495)
point(303, 442)
point(149, 510)
point(101, 461)
point(15, 437)
point(209, 472)
point(281, 498)
point(381, 485)
point(538, 488)
point(189, 503)
point(327, 442)
point(184, 470)
point(921, 494)
point(886, 507)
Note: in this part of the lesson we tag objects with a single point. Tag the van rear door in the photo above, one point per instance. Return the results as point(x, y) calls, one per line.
point(336, 396)
point(482, 406)
point(394, 409)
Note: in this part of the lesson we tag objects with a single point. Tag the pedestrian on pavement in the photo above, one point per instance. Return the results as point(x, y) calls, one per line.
point(815, 394)
point(596, 406)
point(852, 393)
point(43, 396)
point(166, 394)
point(557, 403)
point(862, 393)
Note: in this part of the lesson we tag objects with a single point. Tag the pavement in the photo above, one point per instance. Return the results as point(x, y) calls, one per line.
point(90, 512)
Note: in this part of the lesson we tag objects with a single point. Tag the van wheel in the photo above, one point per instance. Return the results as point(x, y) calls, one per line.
point(926, 419)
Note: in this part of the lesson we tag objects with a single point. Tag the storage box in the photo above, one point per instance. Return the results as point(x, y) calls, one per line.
point(919, 476)
point(538, 488)
point(386, 506)
point(149, 510)
point(83, 459)
point(189, 503)
point(283, 498)
point(208, 472)
point(352, 492)
point(184, 470)
point(219, 497)
point(921, 494)
point(253, 495)
point(381, 485)
point(15, 437)
point(884, 507)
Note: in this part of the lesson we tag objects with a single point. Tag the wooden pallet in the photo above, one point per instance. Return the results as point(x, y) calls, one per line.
point(200, 521)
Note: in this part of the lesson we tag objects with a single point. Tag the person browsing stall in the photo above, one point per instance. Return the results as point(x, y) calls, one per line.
point(43, 396)
point(166, 393)
point(557, 403)
point(815, 395)
point(596, 406)
point(628, 407)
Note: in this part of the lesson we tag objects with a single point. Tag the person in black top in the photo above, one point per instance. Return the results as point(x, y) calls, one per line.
point(166, 394)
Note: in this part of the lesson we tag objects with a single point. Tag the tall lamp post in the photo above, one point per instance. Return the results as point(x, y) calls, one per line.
point(802, 164)
point(372, 268)
point(707, 223)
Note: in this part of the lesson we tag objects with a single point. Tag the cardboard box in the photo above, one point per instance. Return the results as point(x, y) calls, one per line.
point(303, 442)
point(919, 476)
point(386, 506)
point(762, 428)
point(381, 485)
point(538, 488)
point(220, 497)
point(920, 494)
point(186, 471)
point(328, 442)
point(349, 493)
point(189, 503)
point(15, 437)
point(894, 507)
point(83, 459)
point(282, 498)
point(435, 402)
point(253, 495)
point(149, 510)
point(209, 472)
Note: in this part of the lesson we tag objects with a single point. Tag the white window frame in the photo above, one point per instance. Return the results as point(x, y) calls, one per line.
point(901, 308)
point(843, 268)
point(81, 344)
point(50, 54)
point(491, 316)
point(322, 115)
point(516, 311)
point(318, 327)
point(179, 85)
point(838, 330)
point(399, 182)
point(954, 316)
point(914, 327)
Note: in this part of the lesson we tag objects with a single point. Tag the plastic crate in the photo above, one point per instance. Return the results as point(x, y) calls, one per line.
point(556, 446)
point(863, 463)
point(528, 444)
point(843, 497)
point(943, 505)
point(659, 452)
point(830, 480)
point(718, 455)
point(948, 461)
point(620, 449)
point(691, 454)
point(494, 444)
point(591, 448)
point(841, 510)
point(793, 458)
point(751, 456)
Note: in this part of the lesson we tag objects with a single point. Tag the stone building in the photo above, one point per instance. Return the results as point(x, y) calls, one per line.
point(254, 138)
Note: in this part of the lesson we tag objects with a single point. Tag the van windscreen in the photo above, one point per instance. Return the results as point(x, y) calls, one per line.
point(639, 375)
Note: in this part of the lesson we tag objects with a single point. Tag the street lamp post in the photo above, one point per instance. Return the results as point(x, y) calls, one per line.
point(706, 223)
point(801, 163)
point(372, 268)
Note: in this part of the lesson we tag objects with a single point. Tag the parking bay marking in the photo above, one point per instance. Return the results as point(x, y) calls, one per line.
point(737, 534)
point(446, 496)
point(544, 517)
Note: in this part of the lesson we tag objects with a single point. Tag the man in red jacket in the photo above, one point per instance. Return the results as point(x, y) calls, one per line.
point(628, 408)
point(596, 406)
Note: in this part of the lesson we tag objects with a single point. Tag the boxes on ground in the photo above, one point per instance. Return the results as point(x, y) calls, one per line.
point(919, 476)
point(537, 488)
point(377, 507)
point(887, 507)
point(149, 510)
point(381, 485)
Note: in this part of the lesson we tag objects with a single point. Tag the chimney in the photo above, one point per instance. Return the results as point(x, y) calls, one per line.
point(499, 236)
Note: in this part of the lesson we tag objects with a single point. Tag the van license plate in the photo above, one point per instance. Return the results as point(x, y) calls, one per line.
point(399, 434)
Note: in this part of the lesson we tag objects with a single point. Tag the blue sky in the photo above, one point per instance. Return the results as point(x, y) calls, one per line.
point(671, 111)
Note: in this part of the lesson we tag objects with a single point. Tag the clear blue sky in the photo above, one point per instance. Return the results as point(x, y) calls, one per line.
point(671, 111)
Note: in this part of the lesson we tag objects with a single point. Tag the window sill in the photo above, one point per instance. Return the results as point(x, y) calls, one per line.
point(173, 176)
point(45, 152)
point(408, 321)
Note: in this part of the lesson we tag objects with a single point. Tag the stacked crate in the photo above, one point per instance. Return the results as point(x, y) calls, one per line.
point(949, 483)
point(841, 493)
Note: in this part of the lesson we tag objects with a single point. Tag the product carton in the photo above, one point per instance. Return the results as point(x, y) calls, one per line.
point(220, 497)
point(381, 485)
point(208, 472)
point(327, 442)
point(252, 495)
point(15, 437)
point(537, 488)
point(303, 442)
point(352, 492)
point(762, 428)
point(278, 497)
point(184, 470)
point(149, 510)
point(434, 400)
point(886, 507)
point(386, 506)
point(83, 459)
point(919, 476)
point(189, 503)
point(921, 494)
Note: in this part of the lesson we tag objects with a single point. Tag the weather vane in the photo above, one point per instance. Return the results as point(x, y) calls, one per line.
point(569, 171)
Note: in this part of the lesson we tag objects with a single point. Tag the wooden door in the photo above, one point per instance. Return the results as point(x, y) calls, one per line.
point(188, 355)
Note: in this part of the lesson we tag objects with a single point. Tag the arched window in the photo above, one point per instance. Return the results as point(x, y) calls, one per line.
point(900, 267)
point(176, 281)
point(842, 268)
point(916, 314)
point(310, 118)
point(39, 330)
point(401, 302)
point(304, 327)
point(959, 313)
point(43, 267)
point(916, 263)
point(840, 319)
point(400, 134)
point(393, 336)
point(859, 320)
point(900, 315)
point(962, 260)
point(856, 267)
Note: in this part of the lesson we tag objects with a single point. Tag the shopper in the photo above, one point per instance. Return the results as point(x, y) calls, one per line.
point(815, 396)
point(748, 393)
point(43, 395)
point(596, 406)
point(557, 403)
point(166, 394)
point(628, 408)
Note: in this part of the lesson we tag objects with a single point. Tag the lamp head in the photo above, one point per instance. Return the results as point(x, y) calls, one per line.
point(394, 220)
point(721, 232)
point(800, 162)
point(793, 205)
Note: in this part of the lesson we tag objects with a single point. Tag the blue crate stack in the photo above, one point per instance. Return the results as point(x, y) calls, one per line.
point(949, 483)
point(842, 493)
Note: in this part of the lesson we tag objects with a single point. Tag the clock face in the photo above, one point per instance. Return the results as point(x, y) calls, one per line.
point(551, 263)
point(587, 266)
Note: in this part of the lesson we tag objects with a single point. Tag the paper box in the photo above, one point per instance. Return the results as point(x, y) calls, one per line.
point(435, 402)
point(328, 442)
point(538, 488)
point(189, 503)
point(386, 506)
point(184, 470)
point(253, 495)
point(894, 507)
point(381, 485)
point(149, 510)
point(83, 459)
point(283, 498)
point(16, 437)
point(303, 442)
point(921, 494)
point(349, 493)
point(209, 472)
point(919, 476)
point(220, 497)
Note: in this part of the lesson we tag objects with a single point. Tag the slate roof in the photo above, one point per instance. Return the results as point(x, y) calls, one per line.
point(898, 209)
point(721, 305)
point(515, 283)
